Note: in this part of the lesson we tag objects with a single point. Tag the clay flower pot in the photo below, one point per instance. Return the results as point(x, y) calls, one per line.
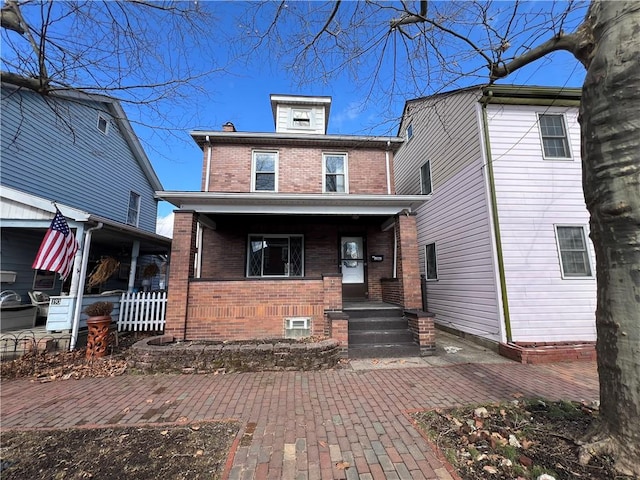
point(98, 323)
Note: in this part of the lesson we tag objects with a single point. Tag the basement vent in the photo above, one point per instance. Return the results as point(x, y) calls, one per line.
point(297, 327)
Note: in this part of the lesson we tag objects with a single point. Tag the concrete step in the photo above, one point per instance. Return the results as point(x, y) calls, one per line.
point(381, 323)
point(384, 337)
point(384, 351)
point(373, 313)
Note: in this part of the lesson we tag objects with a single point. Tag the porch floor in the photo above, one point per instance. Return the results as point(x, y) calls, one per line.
point(367, 305)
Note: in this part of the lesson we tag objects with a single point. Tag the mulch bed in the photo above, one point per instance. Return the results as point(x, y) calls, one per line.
point(517, 440)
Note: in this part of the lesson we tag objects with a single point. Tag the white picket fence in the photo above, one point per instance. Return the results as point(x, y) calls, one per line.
point(142, 311)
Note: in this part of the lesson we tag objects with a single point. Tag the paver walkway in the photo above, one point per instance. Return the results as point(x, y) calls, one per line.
point(299, 425)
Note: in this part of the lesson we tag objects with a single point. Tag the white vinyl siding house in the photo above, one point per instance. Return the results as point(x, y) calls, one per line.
point(534, 195)
point(456, 217)
point(505, 175)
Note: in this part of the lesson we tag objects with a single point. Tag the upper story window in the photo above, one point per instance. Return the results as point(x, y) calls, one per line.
point(425, 178)
point(103, 124)
point(335, 172)
point(409, 132)
point(133, 212)
point(555, 143)
point(301, 118)
point(264, 176)
point(275, 256)
point(574, 257)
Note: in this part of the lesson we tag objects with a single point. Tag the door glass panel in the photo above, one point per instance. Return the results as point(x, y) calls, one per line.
point(352, 261)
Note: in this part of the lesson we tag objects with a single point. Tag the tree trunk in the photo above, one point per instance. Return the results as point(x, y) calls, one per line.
point(610, 120)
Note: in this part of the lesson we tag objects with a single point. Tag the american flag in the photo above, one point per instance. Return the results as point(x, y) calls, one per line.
point(57, 249)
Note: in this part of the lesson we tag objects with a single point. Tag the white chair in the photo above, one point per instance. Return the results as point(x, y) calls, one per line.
point(40, 300)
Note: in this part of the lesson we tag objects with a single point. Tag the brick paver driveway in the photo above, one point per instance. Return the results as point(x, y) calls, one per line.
point(299, 425)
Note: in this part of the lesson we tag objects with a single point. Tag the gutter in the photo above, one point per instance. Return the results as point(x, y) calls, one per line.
point(496, 222)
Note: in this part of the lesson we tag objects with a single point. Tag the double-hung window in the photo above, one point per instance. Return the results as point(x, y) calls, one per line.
point(430, 262)
point(133, 211)
point(553, 132)
point(425, 178)
point(264, 176)
point(335, 172)
point(275, 256)
point(574, 256)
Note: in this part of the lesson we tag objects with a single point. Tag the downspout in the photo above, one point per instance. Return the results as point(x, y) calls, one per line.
point(395, 252)
point(206, 183)
point(388, 166)
point(198, 259)
point(83, 275)
point(496, 222)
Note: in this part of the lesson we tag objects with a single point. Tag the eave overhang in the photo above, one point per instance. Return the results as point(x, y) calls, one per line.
point(202, 138)
point(293, 204)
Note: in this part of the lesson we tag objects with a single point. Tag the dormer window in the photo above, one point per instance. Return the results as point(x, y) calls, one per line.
point(301, 118)
point(103, 124)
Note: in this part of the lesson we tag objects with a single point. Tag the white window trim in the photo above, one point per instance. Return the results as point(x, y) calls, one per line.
point(435, 251)
point(138, 209)
point(430, 178)
point(324, 171)
point(275, 235)
point(409, 132)
point(585, 237)
point(290, 321)
point(312, 115)
point(566, 134)
point(106, 120)
point(253, 170)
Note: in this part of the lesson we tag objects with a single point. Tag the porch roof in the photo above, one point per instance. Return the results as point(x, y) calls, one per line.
point(293, 203)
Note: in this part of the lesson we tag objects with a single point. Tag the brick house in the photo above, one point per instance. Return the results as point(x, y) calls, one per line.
point(289, 229)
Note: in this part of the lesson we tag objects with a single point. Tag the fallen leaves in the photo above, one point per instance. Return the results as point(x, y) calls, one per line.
point(515, 440)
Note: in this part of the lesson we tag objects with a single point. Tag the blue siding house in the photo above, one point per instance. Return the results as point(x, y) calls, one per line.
point(78, 152)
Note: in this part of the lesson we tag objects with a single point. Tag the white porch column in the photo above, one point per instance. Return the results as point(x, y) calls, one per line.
point(135, 252)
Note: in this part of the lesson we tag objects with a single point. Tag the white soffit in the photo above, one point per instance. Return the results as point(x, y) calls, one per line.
point(293, 204)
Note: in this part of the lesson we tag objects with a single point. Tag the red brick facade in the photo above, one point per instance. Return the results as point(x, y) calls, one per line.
point(225, 303)
point(299, 169)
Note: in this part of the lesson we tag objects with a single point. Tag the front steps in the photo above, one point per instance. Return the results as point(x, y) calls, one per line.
point(379, 333)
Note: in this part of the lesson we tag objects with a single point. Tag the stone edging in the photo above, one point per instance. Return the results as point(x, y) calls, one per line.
point(163, 355)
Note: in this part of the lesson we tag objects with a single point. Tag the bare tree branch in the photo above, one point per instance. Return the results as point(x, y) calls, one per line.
point(574, 43)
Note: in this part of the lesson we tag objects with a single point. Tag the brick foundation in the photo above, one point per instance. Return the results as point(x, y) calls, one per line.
point(548, 352)
point(338, 323)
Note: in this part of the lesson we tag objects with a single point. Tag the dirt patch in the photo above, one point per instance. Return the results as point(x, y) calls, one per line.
point(135, 453)
point(48, 366)
point(516, 440)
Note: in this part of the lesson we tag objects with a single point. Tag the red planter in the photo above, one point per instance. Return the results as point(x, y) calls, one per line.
point(98, 336)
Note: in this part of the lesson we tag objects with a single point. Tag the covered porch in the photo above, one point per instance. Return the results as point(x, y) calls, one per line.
point(247, 266)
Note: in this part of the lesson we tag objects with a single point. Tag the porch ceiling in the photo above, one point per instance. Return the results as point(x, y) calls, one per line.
point(293, 204)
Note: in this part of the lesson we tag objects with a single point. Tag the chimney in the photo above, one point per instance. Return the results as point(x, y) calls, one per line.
point(228, 127)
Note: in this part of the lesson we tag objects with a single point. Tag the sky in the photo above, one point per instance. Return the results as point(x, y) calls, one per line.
point(241, 96)
point(240, 93)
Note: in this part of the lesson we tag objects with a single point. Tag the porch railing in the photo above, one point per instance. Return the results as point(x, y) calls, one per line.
point(142, 311)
